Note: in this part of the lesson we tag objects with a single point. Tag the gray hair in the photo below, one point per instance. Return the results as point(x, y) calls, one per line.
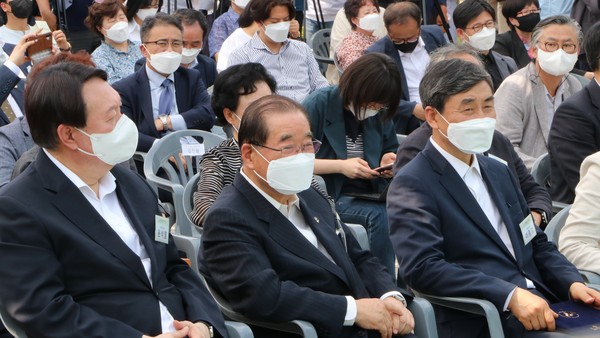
point(556, 20)
point(453, 51)
point(160, 19)
point(443, 80)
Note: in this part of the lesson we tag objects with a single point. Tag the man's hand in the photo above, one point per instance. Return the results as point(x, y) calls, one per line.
point(537, 218)
point(582, 293)
point(419, 112)
point(294, 29)
point(357, 168)
point(185, 329)
point(387, 158)
point(532, 311)
point(402, 320)
point(372, 314)
point(18, 54)
point(180, 333)
point(61, 40)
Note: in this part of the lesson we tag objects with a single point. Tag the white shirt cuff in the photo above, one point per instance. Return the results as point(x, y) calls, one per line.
point(505, 308)
point(350, 311)
point(393, 294)
point(178, 122)
point(13, 67)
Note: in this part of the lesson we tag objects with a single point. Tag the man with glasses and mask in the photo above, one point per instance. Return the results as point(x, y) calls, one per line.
point(475, 22)
point(275, 248)
point(526, 100)
point(162, 97)
point(408, 43)
point(460, 225)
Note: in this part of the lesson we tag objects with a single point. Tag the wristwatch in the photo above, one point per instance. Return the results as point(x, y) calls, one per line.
point(544, 217)
point(165, 123)
point(211, 330)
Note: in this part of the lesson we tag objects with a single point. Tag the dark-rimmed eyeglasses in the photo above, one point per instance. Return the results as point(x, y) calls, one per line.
point(309, 147)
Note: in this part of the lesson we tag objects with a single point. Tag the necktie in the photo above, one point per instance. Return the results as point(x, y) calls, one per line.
point(165, 102)
point(8, 111)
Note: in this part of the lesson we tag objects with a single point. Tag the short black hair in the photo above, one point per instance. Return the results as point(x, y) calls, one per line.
point(399, 12)
point(236, 81)
point(351, 8)
point(260, 10)
point(189, 16)
point(133, 6)
point(160, 19)
point(55, 98)
point(372, 78)
point(591, 45)
point(469, 10)
point(510, 8)
point(253, 129)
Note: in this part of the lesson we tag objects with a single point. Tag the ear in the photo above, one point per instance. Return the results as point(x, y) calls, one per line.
point(431, 117)
point(462, 35)
point(144, 52)
point(246, 152)
point(65, 136)
point(514, 22)
point(228, 113)
point(355, 21)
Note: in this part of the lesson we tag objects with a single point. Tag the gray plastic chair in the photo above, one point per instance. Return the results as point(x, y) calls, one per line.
point(188, 197)
point(401, 138)
point(556, 224)
point(541, 170)
point(319, 43)
point(158, 158)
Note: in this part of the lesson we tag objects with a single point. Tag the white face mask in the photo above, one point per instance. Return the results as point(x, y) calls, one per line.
point(484, 39)
point(116, 146)
point(556, 63)
point(165, 62)
point(119, 32)
point(241, 3)
point(278, 32)
point(369, 22)
point(188, 55)
point(471, 136)
point(368, 112)
point(289, 175)
point(143, 13)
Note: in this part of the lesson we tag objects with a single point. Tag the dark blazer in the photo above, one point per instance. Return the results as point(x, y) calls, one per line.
point(65, 271)
point(326, 115)
point(15, 139)
point(206, 66)
point(193, 103)
point(574, 135)
point(10, 83)
point(537, 197)
point(509, 44)
point(433, 37)
point(268, 270)
point(447, 247)
point(506, 65)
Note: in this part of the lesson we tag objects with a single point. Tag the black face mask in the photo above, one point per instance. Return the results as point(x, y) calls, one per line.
point(21, 8)
point(407, 47)
point(527, 22)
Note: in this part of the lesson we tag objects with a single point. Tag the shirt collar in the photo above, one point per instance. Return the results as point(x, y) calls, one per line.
point(106, 184)
point(459, 166)
point(155, 78)
point(270, 199)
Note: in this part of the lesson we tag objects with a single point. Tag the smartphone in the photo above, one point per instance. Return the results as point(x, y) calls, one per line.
point(40, 49)
point(384, 168)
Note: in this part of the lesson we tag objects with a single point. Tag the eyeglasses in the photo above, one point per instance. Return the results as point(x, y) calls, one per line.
point(164, 43)
point(478, 27)
point(532, 11)
point(409, 40)
point(310, 147)
point(553, 46)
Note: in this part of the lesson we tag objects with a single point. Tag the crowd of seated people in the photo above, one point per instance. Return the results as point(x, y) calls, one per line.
point(81, 232)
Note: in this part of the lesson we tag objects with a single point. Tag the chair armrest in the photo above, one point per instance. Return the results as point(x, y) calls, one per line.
point(238, 330)
point(558, 206)
point(191, 247)
point(472, 305)
point(360, 233)
point(323, 59)
point(422, 311)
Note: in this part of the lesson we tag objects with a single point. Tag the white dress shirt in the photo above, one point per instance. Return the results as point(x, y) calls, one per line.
point(156, 81)
point(234, 41)
point(414, 65)
point(554, 102)
point(108, 206)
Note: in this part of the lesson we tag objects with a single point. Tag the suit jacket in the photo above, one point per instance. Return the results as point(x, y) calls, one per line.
point(15, 139)
point(193, 103)
point(522, 113)
point(433, 37)
point(447, 247)
point(574, 135)
point(326, 114)
point(66, 272)
point(206, 66)
point(506, 65)
point(10, 83)
point(509, 44)
point(268, 270)
point(537, 197)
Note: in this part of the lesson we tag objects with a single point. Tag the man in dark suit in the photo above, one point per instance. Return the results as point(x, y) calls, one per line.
point(537, 197)
point(12, 79)
point(460, 225)
point(99, 262)
point(274, 247)
point(475, 22)
point(408, 43)
point(575, 131)
point(162, 96)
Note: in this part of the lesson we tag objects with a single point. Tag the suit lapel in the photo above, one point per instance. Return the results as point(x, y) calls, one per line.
point(180, 94)
point(335, 128)
point(459, 191)
point(391, 50)
point(146, 100)
point(540, 104)
point(74, 207)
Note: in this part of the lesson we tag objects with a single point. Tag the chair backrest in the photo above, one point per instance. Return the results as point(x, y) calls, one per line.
point(556, 224)
point(401, 138)
point(188, 195)
point(177, 175)
point(336, 62)
point(541, 170)
point(10, 325)
point(319, 43)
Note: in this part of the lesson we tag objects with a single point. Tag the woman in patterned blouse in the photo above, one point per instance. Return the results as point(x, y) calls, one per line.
point(117, 54)
point(364, 19)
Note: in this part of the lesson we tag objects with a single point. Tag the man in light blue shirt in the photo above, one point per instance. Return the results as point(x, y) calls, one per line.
point(555, 7)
